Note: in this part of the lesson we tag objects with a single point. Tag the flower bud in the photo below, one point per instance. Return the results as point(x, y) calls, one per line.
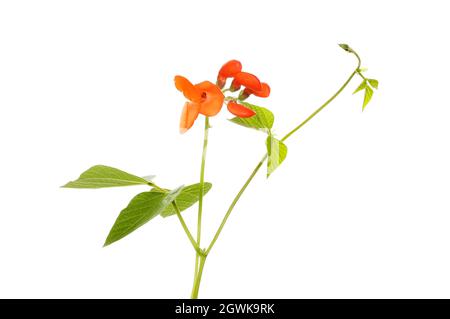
point(230, 68)
point(248, 80)
point(221, 81)
point(244, 94)
point(235, 86)
point(239, 110)
point(264, 92)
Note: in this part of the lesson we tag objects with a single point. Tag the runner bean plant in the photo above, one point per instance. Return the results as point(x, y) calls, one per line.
point(205, 100)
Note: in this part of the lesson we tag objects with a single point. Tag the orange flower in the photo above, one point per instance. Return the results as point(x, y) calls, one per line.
point(207, 99)
point(228, 70)
point(264, 92)
point(246, 79)
point(239, 110)
point(204, 98)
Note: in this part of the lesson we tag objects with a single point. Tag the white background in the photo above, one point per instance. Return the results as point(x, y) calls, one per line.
point(360, 208)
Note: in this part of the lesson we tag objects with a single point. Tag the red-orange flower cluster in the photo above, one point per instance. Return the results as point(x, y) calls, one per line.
point(233, 69)
point(207, 98)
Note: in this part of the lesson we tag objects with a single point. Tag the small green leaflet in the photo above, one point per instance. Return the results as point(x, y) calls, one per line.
point(141, 209)
point(262, 120)
point(188, 196)
point(367, 96)
point(373, 83)
point(362, 86)
point(276, 151)
point(104, 176)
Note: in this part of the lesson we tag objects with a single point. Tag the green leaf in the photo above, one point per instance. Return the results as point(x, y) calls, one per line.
point(367, 96)
point(373, 83)
point(346, 47)
point(362, 86)
point(362, 70)
point(276, 151)
point(141, 209)
point(187, 197)
point(262, 120)
point(104, 176)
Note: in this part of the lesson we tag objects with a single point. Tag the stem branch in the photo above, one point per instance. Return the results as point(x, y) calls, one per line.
point(186, 229)
point(235, 200)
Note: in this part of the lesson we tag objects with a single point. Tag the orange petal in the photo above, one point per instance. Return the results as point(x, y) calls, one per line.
point(189, 90)
point(188, 116)
point(248, 80)
point(212, 98)
point(240, 110)
point(264, 92)
point(230, 68)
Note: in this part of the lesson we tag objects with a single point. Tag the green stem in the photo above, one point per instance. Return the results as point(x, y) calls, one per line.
point(320, 108)
point(235, 200)
point(180, 218)
point(198, 278)
point(258, 166)
point(197, 257)
point(202, 181)
point(186, 229)
point(359, 60)
point(199, 254)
